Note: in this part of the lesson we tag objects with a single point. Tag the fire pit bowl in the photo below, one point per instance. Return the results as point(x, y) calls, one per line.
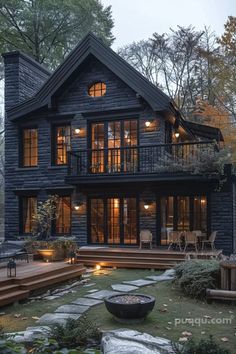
point(130, 307)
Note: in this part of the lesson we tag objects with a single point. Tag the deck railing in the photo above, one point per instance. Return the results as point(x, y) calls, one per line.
point(162, 158)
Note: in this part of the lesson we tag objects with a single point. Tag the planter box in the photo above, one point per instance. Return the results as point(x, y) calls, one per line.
point(52, 255)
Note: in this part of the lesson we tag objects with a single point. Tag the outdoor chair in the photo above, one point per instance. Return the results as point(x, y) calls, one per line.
point(175, 239)
point(210, 241)
point(190, 240)
point(145, 237)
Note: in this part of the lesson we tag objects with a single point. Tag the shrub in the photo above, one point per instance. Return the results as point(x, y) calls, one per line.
point(76, 333)
point(195, 276)
point(204, 346)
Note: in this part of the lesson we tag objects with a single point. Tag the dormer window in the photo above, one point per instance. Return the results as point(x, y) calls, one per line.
point(98, 89)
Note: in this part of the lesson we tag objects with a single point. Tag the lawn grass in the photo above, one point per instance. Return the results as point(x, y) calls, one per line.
point(161, 322)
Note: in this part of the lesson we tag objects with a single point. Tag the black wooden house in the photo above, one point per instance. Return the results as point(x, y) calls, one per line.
point(114, 148)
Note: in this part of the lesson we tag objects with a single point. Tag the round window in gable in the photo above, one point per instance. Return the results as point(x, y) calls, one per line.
point(98, 89)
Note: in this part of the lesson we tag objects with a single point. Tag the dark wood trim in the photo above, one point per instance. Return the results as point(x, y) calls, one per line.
point(117, 114)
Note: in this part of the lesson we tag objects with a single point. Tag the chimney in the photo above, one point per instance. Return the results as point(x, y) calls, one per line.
point(23, 77)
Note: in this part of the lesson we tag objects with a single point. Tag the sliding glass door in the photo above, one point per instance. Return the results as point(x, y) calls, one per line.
point(181, 213)
point(113, 220)
point(114, 146)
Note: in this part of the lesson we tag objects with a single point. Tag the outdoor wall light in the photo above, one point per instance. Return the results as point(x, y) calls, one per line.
point(77, 131)
point(77, 205)
point(176, 134)
point(98, 267)
point(147, 205)
point(147, 123)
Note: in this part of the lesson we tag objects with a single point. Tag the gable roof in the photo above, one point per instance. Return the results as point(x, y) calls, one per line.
point(205, 131)
point(91, 45)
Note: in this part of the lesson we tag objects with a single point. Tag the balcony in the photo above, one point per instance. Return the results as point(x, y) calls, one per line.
point(192, 158)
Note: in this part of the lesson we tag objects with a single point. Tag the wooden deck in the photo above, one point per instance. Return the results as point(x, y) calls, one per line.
point(136, 258)
point(34, 276)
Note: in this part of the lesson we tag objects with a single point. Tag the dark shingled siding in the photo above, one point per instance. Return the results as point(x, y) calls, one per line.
point(75, 100)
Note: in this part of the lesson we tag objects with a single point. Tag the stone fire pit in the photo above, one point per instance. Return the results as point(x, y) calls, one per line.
point(130, 307)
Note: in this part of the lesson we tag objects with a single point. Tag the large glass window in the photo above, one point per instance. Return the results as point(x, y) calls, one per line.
point(130, 220)
point(182, 213)
point(183, 209)
point(200, 214)
point(62, 135)
point(113, 220)
point(97, 220)
point(114, 146)
point(62, 224)
point(29, 147)
point(28, 208)
point(167, 218)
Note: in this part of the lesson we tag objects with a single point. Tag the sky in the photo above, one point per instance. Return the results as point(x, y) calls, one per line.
point(139, 19)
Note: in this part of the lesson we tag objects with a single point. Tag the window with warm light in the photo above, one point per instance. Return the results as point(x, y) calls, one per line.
point(27, 208)
point(62, 223)
point(29, 147)
point(61, 144)
point(98, 89)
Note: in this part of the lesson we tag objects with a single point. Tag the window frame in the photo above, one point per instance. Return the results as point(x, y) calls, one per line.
point(21, 146)
point(54, 226)
point(21, 212)
point(54, 144)
point(192, 211)
point(93, 85)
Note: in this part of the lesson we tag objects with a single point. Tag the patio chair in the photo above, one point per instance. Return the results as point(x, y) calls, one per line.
point(145, 237)
point(210, 241)
point(190, 240)
point(175, 239)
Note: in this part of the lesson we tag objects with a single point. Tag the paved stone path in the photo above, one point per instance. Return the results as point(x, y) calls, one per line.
point(95, 297)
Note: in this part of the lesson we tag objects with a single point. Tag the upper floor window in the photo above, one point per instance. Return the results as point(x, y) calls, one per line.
point(29, 147)
point(61, 144)
point(97, 90)
point(28, 207)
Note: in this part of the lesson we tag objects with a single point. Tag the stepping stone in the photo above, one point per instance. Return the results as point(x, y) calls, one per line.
point(72, 309)
point(92, 291)
point(86, 302)
point(139, 282)
point(159, 277)
point(88, 285)
point(53, 318)
point(100, 295)
point(123, 287)
point(167, 275)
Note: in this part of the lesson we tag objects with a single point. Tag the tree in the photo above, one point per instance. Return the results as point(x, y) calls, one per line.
point(219, 117)
point(44, 215)
point(49, 29)
point(227, 72)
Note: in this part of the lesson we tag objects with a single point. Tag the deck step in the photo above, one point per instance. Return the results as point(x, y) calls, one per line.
point(132, 253)
point(9, 289)
point(12, 297)
point(106, 258)
point(52, 279)
point(41, 275)
point(128, 264)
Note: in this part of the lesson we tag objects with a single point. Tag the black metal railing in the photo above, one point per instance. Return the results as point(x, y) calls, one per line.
point(162, 158)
